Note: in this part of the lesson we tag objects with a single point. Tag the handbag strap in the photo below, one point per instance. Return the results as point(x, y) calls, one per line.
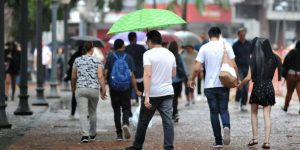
point(224, 52)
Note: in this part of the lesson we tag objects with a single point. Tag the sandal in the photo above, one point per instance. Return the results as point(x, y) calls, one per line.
point(266, 146)
point(252, 143)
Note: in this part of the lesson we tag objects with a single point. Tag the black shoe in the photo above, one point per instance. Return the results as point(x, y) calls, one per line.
point(284, 109)
point(84, 139)
point(5, 98)
point(176, 118)
point(132, 148)
point(93, 138)
point(119, 137)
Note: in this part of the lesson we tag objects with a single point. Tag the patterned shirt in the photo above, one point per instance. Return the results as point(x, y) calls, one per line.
point(87, 76)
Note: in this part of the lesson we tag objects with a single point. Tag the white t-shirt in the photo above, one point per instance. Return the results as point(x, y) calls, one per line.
point(46, 56)
point(211, 54)
point(162, 62)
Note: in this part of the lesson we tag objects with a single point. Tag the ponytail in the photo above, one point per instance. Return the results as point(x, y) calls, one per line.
point(87, 46)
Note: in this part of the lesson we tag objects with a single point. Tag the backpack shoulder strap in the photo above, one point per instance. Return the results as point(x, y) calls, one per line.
point(124, 56)
point(115, 55)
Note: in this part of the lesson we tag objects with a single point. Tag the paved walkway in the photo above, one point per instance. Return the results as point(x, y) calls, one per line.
point(50, 128)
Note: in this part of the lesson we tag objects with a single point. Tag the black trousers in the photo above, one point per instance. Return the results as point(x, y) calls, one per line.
point(120, 100)
point(74, 104)
point(177, 90)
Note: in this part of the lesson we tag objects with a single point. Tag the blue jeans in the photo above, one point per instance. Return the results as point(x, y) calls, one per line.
point(164, 106)
point(242, 95)
point(217, 99)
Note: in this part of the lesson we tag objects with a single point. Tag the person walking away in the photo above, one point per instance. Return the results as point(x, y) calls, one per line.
point(67, 77)
point(241, 49)
point(136, 51)
point(12, 67)
point(292, 66)
point(87, 75)
point(46, 61)
point(59, 64)
point(189, 55)
point(204, 39)
point(211, 54)
point(119, 70)
point(177, 81)
point(263, 64)
point(159, 68)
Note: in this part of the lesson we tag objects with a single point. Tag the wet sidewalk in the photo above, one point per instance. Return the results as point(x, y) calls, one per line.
point(50, 128)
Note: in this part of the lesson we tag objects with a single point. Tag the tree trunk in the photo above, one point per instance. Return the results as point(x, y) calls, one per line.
point(8, 26)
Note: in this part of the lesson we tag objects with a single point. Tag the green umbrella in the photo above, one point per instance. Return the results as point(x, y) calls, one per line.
point(145, 19)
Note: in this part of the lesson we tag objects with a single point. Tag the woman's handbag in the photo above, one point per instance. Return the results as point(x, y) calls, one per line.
point(227, 74)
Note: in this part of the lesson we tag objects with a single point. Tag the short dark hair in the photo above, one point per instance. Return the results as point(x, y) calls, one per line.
point(241, 30)
point(119, 43)
point(214, 32)
point(132, 36)
point(154, 36)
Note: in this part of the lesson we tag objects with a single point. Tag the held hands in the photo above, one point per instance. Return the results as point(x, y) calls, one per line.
point(240, 85)
point(147, 103)
point(191, 83)
point(103, 93)
point(138, 93)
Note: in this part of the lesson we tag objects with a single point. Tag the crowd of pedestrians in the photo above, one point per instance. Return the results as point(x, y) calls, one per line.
point(157, 75)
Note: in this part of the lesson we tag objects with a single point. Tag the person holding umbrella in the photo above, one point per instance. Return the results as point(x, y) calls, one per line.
point(159, 68)
point(136, 51)
point(87, 75)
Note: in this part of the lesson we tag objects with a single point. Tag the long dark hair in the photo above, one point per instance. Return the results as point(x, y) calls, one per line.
point(261, 54)
point(173, 47)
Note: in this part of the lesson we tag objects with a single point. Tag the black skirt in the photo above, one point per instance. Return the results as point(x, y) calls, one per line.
point(263, 93)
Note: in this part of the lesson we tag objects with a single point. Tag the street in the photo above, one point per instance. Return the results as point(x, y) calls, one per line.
point(50, 128)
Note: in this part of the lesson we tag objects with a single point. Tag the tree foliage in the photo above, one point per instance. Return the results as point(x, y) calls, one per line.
point(15, 5)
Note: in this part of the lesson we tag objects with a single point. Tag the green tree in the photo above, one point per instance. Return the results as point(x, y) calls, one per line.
point(13, 20)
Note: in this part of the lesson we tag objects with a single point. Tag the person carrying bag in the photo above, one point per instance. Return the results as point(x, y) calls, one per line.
point(228, 75)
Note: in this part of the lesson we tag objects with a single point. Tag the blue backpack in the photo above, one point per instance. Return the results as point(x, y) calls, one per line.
point(120, 76)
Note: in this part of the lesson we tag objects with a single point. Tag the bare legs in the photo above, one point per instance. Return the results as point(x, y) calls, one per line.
point(267, 119)
point(254, 121)
point(7, 84)
point(267, 122)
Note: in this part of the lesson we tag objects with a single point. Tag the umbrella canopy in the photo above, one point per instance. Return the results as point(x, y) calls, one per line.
point(188, 38)
point(145, 19)
point(167, 37)
point(79, 40)
point(124, 36)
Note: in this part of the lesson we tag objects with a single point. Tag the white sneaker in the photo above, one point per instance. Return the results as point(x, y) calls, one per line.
point(226, 139)
point(126, 132)
point(236, 105)
point(243, 108)
point(217, 145)
point(72, 117)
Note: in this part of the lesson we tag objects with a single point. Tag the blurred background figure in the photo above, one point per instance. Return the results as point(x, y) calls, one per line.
point(177, 81)
point(189, 55)
point(12, 67)
point(46, 61)
point(291, 73)
point(67, 77)
point(241, 49)
point(98, 54)
point(60, 64)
